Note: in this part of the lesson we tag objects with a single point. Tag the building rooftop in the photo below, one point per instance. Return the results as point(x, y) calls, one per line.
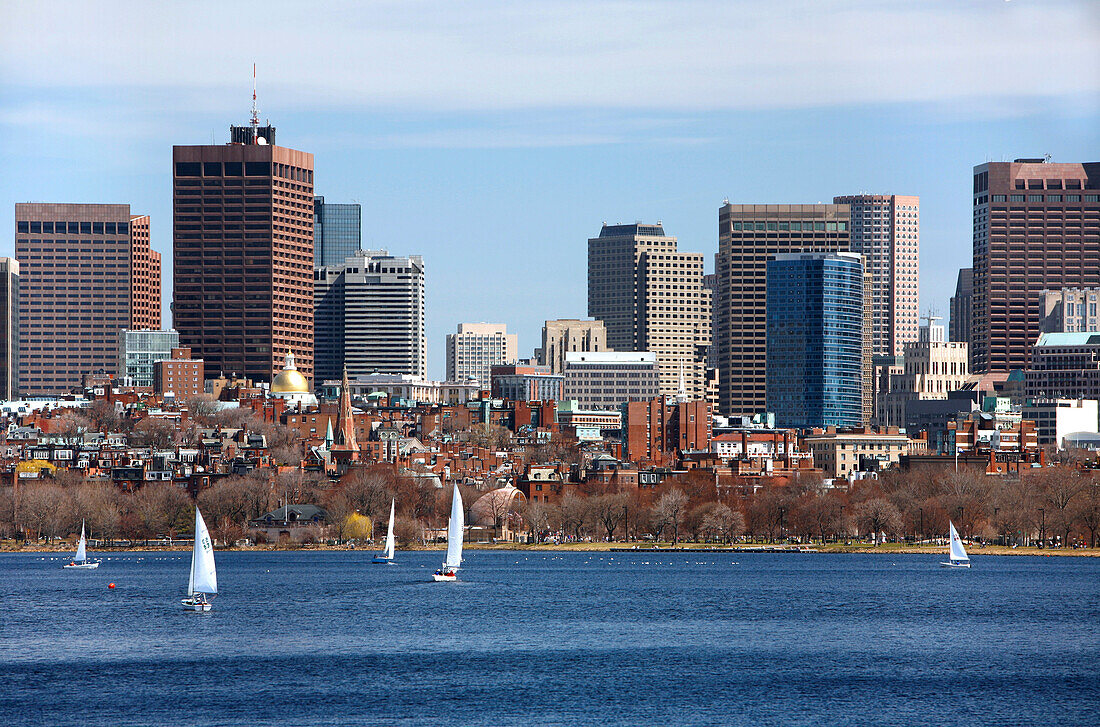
point(610, 357)
point(631, 230)
point(1082, 338)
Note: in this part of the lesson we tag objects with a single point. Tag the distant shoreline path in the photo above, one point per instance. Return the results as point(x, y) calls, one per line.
point(615, 548)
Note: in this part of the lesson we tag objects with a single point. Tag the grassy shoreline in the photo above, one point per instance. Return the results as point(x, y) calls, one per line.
point(816, 549)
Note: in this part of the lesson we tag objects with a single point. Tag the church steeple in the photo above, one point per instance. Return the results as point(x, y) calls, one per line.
point(345, 433)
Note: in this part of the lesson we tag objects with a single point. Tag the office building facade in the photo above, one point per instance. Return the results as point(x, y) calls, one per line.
point(748, 236)
point(1064, 366)
point(570, 335)
point(476, 348)
point(178, 375)
point(933, 368)
point(139, 350)
point(1036, 228)
point(337, 232)
point(1069, 310)
point(651, 298)
point(521, 382)
point(961, 310)
point(815, 341)
point(243, 255)
point(9, 328)
point(370, 316)
point(607, 379)
point(86, 272)
point(885, 229)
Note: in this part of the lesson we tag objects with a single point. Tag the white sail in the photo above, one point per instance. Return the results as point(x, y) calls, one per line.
point(81, 547)
point(389, 533)
point(204, 578)
point(454, 532)
point(958, 552)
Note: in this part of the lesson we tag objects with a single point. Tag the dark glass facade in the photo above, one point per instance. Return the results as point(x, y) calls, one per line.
point(815, 339)
point(337, 232)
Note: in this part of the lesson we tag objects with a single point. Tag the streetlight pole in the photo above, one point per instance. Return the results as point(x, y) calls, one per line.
point(1043, 528)
point(921, 524)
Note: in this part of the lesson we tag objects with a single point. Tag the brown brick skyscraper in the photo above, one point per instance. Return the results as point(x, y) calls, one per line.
point(243, 252)
point(748, 235)
point(1036, 226)
point(87, 273)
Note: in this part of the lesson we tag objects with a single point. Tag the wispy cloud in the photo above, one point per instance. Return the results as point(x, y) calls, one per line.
point(631, 54)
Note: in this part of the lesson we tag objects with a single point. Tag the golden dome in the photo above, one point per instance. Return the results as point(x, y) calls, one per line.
point(289, 380)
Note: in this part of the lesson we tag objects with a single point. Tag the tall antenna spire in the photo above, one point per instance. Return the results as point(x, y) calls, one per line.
point(255, 111)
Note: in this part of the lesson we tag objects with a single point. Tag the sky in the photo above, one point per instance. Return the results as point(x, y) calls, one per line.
point(494, 138)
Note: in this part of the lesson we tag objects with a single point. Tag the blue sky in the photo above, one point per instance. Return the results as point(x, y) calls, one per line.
point(494, 138)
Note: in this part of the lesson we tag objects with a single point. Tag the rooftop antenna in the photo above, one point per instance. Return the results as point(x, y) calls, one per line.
point(255, 111)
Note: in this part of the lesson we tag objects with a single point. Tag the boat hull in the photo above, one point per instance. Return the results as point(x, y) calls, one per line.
point(82, 566)
point(190, 604)
point(445, 577)
point(382, 559)
point(955, 565)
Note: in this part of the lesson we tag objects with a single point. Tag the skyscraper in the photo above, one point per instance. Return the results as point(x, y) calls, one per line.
point(243, 252)
point(959, 323)
point(885, 229)
point(87, 272)
point(651, 298)
point(748, 235)
point(337, 232)
point(9, 328)
point(570, 335)
point(370, 316)
point(1036, 226)
point(476, 348)
point(815, 341)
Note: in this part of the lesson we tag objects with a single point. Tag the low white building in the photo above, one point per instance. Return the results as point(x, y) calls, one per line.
point(408, 388)
point(607, 379)
point(1056, 419)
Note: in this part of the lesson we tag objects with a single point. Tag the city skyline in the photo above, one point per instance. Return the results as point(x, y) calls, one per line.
point(489, 154)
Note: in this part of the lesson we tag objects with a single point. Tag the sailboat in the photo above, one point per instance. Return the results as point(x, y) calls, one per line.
point(387, 556)
point(958, 558)
point(204, 578)
point(454, 542)
point(80, 560)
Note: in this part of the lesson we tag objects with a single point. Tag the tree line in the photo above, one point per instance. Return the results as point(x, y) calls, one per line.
point(1056, 504)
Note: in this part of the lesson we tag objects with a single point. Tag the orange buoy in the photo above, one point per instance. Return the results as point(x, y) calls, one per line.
point(110, 585)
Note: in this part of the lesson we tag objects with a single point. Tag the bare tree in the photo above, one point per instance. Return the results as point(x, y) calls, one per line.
point(103, 416)
point(155, 433)
point(7, 512)
point(768, 509)
point(724, 523)
point(161, 508)
point(369, 490)
point(44, 509)
point(538, 519)
point(609, 511)
point(671, 508)
point(878, 515)
point(573, 512)
point(1060, 487)
point(202, 408)
point(408, 531)
point(101, 506)
point(1088, 510)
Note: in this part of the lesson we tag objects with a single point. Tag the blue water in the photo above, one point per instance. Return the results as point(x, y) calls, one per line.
point(324, 638)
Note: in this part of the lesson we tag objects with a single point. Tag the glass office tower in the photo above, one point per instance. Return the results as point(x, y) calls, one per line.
point(815, 339)
point(336, 232)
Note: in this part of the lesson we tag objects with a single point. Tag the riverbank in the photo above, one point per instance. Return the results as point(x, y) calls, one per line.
point(10, 546)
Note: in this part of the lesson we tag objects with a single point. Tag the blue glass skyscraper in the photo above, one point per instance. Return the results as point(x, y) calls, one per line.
point(815, 339)
point(336, 232)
